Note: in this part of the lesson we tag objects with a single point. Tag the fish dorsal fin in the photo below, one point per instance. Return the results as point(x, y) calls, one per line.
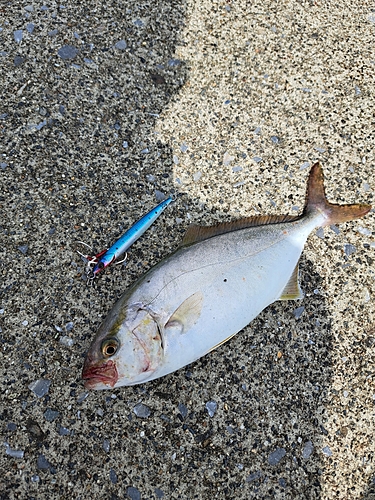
point(195, 233)
point(292, 290)
point(187, 314)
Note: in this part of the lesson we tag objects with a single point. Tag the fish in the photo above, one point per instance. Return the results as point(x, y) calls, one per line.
point(218, 280)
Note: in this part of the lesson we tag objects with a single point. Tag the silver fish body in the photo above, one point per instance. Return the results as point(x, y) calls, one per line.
point(201, 295)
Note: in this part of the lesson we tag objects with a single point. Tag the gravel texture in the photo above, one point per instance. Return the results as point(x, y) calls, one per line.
point(105, 108)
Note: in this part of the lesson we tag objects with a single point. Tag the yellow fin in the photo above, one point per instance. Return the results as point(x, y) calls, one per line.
point(187, 314)
point(195, 233)
point(222, 342)
point(292, 291)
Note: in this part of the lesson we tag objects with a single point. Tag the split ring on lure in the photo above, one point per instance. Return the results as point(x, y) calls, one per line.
point(103, 259)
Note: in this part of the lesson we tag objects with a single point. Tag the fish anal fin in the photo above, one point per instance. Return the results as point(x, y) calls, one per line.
point(187, 314)
point(292, 290)
point(195, 233)
point(222, 342)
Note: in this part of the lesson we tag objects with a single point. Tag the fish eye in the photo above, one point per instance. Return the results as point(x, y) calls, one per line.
point(109, 347)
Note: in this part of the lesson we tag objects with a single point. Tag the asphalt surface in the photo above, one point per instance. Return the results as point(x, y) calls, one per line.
point(106, 107)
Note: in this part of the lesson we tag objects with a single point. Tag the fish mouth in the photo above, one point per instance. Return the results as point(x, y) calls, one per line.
point(105, 373)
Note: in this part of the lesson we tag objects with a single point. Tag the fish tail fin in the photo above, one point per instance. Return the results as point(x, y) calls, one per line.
point(316, 201)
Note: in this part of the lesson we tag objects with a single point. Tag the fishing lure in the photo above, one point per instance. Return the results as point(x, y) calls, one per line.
point(103, 259)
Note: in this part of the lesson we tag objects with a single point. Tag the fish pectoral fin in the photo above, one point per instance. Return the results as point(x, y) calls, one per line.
point(187, 314)
point(292, 291)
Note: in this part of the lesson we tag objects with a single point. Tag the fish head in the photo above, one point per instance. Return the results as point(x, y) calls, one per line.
point(126, 350)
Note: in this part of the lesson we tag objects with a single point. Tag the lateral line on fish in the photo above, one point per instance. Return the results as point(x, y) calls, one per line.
point(244, 257)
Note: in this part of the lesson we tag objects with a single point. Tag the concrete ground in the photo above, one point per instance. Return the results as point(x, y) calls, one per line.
point(105, 106)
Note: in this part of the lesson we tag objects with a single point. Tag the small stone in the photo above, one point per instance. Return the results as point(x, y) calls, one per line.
point(275, 139)
point(82, 396)
point(141, 410)
point(258, 131)
point(3, 165)
point(69, 326)
point(276, 456)
point(23, 249)
point(40, 125)
point(53, 32)
point(12, 452)
point(298, 312)
point(254, 476)
point(63, 431)
point(364, 231)
point(335, 229)
point(112, 476)
point(184, 147)
point(257, 159)
point(18, 35)
point(320, 233)
point(18, 61)
point(35, 478)
point(120, 45)
point(183, 410)
point(366, 295)
point(43, 463)
point(66, 341)
point(320, 150)
point(30, 28)
point(25, 323)
point(349, 249)
point(173, 63)
point(307, 450)
point(133, 493)
point(150, 178)
point(304, 165)
point(197, 176)
point(211, 407)
point(40, 387)
point(29, 8)
point(125, 144)
point(176, 160)
point(236, 169)
point(327, 451)
point(145, 151)
point(67, 52)
point(11, 426)
point(159, 196)
point(138, 22)
point(106, 445)
point(227, 158)
point(159, 493)
point(51, 415)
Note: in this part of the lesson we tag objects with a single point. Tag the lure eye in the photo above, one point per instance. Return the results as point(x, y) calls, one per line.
point(109, 347)
point(100, 265)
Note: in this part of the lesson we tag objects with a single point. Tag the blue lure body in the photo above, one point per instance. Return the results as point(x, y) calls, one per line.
point(104, 259)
